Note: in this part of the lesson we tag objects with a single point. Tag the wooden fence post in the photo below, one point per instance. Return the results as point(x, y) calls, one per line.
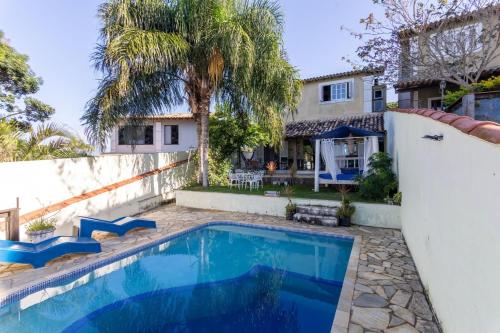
point(12, 222)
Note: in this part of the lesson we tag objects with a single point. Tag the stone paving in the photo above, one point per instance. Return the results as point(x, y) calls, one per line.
point(388, 294)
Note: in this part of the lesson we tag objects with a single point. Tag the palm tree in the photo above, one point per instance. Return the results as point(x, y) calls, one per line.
point(155, 54)
point(47, 141)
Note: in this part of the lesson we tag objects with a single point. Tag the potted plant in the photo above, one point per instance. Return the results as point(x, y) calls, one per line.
point(41, 229)
point(271, 167)
point(290, 208)
point(345, 212)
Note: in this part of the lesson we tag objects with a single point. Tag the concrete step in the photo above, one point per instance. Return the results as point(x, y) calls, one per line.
point(330, 221)
point(317, 210)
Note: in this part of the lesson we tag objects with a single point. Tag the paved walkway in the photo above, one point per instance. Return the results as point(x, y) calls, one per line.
point(388, 295)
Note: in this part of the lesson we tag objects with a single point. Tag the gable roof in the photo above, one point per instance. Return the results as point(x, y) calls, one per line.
point(373, 122)
point(364, 71)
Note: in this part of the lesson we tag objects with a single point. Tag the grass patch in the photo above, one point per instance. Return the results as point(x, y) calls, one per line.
point(300, 191)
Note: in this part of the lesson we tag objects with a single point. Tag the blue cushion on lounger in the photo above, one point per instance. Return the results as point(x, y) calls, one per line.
point(37, 254)
point(120, 226)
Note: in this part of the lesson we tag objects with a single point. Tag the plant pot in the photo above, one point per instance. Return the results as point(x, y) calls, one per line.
point(38, 236)
point(289, 215)
point(345, 221)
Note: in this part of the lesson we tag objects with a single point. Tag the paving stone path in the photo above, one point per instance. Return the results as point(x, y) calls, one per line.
point(388, 295)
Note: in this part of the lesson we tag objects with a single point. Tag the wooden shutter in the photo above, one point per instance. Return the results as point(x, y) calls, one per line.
point(349, 90)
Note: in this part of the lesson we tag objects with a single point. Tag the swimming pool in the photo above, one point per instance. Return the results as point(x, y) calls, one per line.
point(217, 278)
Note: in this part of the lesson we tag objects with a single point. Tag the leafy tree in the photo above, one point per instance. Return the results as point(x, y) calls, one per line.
point(17, 81)
point(156, 54)
point(230, 132)
point(380, 182)
point(455, 41)
point(46, 141)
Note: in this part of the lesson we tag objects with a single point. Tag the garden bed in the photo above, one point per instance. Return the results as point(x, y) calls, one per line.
point(300, 191)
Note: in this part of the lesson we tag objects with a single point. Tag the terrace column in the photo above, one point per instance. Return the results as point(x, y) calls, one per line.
point(317, 162)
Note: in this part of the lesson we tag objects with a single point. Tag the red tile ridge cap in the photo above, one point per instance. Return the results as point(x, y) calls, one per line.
point(486, 130)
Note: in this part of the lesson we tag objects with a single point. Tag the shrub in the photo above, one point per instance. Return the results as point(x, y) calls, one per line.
point(380, 182)
point(218, 169)
point(491, 84)
point(42, 223)
point(345, 210)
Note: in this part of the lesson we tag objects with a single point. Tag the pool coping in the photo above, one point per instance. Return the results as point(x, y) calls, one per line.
point(342, 314)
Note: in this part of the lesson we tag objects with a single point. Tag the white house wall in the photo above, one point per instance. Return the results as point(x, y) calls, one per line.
point(450, 218)
point(187, 138)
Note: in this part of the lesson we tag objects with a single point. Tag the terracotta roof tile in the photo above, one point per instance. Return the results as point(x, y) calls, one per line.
point(372, 122)
point(438, 115)
point(449, 118)
point(367, 71)
point(485, 130)
point(489, 132)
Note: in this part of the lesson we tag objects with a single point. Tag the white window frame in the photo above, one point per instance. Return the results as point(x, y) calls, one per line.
point(164, 132)
point(343, 100)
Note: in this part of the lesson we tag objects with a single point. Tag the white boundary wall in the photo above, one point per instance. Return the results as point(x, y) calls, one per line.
point(39, 184)
point(451, 218)
point(374, 215)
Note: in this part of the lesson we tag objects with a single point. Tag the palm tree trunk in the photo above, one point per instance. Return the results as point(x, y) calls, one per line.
point(198, 133)
point(204, 145)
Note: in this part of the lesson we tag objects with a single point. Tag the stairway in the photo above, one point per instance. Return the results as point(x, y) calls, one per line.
point(320, 215)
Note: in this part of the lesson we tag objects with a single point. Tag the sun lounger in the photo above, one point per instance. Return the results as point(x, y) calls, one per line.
point(119, 226)
point(37, 254)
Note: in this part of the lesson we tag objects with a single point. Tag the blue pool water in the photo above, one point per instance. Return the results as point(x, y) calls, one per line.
point(220, 278)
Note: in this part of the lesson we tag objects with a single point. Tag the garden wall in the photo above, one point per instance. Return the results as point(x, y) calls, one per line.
point(107, 186)
point(450, 216)
point(375, 215)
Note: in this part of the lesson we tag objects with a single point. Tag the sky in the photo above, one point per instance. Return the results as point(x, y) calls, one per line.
point(59, 36)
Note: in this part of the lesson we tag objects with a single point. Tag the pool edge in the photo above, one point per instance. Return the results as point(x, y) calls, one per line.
point(343, 311)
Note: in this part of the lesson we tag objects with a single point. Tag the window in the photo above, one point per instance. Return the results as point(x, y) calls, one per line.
point(171, 134)
point(336, 92)
point(135, 135)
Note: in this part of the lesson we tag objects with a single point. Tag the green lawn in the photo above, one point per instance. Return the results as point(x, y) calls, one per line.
point(300, 191)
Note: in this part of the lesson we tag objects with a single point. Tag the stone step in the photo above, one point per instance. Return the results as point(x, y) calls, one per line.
point(317, 210)
point(330, 221)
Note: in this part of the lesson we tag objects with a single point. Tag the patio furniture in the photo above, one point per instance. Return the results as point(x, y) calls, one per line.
point(120, 226)
point(234, 179)
point(38, 254)
point(254, 180)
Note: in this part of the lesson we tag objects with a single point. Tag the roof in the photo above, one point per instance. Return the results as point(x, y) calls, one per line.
point(177, 116)
point(367, 71)
point(429, 82)
point(486, 130)
point(370, 122)
point(346, 131)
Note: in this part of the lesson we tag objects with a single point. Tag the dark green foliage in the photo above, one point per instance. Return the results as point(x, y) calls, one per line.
point(17, 81)
point(491, 84)
point(380, 182)
point(230, 131)
point(345, 210)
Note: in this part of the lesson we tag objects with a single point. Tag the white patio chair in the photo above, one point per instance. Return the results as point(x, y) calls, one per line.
point(234, 179)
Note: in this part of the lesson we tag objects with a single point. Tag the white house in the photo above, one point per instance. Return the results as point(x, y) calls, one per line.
point(158, 134)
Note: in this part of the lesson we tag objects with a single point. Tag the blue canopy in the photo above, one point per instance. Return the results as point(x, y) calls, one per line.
point(346, 131)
